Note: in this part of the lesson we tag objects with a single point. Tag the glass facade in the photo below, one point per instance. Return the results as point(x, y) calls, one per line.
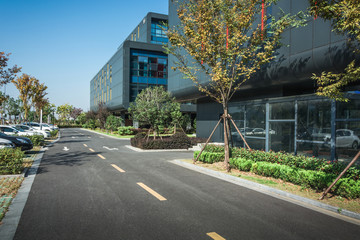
point(147, 69)
point(301, 125)
point(158, 31)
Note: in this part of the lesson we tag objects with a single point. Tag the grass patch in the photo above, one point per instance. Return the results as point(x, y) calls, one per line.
point(336, 201)
point(30, 156)
point(8, 189)
point(113, 134)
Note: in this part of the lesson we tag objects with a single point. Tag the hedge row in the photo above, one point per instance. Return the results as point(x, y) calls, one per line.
point(11, 161)
point(288, 159)
point(317, 180)
point(37, 140)
point(176, 141)
point(348, 186)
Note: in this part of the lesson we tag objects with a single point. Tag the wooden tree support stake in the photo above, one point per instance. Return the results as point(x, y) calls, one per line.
point(239, 132)
point(341, 174)
point(207, 141)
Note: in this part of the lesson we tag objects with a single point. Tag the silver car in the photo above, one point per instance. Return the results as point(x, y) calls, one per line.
point(345, 138)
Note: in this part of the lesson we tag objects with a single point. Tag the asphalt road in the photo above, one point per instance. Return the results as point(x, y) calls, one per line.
point(93, 187)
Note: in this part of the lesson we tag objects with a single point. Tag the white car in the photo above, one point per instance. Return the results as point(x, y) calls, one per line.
point(27, 128)
point(9, 130)
point(345, 138)
point(36, 126)
point(4, 143)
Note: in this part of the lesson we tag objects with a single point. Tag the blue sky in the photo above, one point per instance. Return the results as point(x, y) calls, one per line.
point(64, 43)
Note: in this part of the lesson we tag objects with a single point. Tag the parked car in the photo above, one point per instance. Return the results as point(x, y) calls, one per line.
point(4, 143)
point(55, 127)
point(22, 142)
point(38, 127)
point(345, 138)
point(47, 126)
point(9, 130)
point(27, 128)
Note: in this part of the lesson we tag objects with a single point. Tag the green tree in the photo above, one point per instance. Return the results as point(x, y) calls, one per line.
point(38, 96)
point(81, 119)
point(24, 85)
point(7, 75)
point(153, 106)
point(49, 111)
point(345, 18)
point(226, 44)
point(101, 114)
point(113, 123)
point(64, 112)
point(13, 107)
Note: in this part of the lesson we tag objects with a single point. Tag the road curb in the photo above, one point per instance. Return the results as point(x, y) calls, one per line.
point(157, 150)
point(12, 217)
point(305, 202)
point(104, 134)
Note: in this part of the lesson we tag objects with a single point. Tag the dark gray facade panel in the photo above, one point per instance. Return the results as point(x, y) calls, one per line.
point(321, 32)
point(297, 5)
point(306, 50)
point(301, 39)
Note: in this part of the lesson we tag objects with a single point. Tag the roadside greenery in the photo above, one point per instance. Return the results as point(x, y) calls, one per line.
point(155, 107)
point(113, 123)
point(178, 140)
point(38, 140)
point(310, 172)
point(11, 161)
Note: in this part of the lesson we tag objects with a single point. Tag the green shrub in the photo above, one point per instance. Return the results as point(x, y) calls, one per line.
point(176, 141)
point(91, 123)
point(113, 123)
point(54, 133)
point(348, 188)
point(209, 157)
point(37, 140)
point(125, 130)
point(11, 161)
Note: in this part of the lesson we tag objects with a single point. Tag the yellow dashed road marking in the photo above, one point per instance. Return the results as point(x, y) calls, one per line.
point(100, 156)
point(117, 168)
point(152, 192)
point(85, 145)
point(92, 150)
point(215, 236)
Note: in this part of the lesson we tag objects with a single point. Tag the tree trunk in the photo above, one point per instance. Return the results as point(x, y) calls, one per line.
point(226, 139)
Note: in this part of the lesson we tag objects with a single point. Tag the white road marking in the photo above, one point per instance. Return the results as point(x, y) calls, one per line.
point(111, 149)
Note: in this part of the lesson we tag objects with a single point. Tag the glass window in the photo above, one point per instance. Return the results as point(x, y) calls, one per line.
point(256, 144)
point(158, 31)
point(349, 110)
point(255, 120)
point(284, 110)
point(313, 119)
point(281, 136)
point(314, 128)
point(147, 68)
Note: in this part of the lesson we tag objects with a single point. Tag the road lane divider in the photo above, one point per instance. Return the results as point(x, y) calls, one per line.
point(85, 145)
point(117, 168)
point(215, 236)
point(92, 150)
point(101, 156)
point(152, 192)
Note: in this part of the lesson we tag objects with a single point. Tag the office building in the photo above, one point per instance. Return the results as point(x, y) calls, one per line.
point(278, 109)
